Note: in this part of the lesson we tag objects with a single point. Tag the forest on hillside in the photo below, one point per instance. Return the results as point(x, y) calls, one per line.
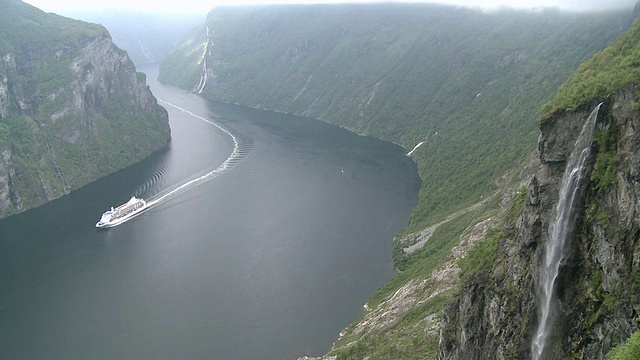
point(469, 84)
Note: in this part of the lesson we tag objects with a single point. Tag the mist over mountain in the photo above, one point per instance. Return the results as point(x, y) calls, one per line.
point(146, 36)
point(466, 84)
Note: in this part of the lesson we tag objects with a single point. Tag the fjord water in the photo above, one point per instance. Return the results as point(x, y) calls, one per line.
point(268, 260)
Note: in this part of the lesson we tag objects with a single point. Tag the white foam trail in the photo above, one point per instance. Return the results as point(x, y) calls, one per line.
point(237, 155)
point(234, 159)
point(235, 141)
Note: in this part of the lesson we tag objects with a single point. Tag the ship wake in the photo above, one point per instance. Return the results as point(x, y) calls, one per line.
point(242, 147)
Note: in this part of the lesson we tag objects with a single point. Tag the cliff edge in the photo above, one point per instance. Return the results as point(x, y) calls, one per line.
point(72, 107)
point(598, 288)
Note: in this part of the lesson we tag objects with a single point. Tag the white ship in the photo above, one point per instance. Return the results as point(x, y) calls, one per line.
point(122, 213)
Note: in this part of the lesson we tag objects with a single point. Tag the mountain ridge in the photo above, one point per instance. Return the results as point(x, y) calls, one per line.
point(72, 107)
point(487, 88)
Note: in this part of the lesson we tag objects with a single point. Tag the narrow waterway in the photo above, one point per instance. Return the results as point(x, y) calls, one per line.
point(266, 259)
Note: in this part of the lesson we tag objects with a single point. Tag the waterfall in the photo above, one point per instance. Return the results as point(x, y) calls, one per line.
point(559, 230)
point(203, 73)
point(203, 76)
point(415, 148)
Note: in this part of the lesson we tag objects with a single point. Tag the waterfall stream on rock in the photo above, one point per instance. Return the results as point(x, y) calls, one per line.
point(203, 74)
point(559, 230)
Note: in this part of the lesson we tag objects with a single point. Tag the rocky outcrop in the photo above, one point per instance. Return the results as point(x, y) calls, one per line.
point(4, 97)
point(489, 310)
point(495, 314)
point(7, 174)
point(72, 107)
point(388, 319)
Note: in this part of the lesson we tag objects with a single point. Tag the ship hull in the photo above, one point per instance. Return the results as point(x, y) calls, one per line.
point(122, 213)
point(105, 225)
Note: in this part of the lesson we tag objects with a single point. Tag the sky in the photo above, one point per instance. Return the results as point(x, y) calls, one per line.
point(203, 6)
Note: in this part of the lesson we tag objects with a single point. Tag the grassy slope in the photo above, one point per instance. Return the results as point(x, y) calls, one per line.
point(629, 350)
point(403, 73)
point(415, 332)
point(43, 47)
point(610, 69)
point(183, 65)
point(23, 23)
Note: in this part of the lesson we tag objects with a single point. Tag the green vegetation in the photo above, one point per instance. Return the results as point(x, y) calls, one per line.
point(122, 137)
point(18, 134)
point(21, 24)
point(188, 56)
point(434, 253)
point(481, 256)
point(611, 69)
point(30, 32)
point(405, 339)
point(469, 84)
point(415, 335)
point(517, 204)
point(629, 350)
point(56, 144)
point(606, 165)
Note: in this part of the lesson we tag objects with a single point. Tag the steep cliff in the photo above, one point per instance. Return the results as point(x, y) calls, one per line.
point(598, 289)
point(597, 292)
point(72, 107)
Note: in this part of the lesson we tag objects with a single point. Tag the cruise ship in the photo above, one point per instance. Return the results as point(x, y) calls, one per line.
point(123, 212)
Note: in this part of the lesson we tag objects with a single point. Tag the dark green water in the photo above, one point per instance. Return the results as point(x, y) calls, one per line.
point(268, 259)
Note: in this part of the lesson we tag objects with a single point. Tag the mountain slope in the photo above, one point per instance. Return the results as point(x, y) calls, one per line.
point(72, 107)
point(598, 287)
point(482, 267)
point(480, 79)
point(468, 84)
point(486, 278)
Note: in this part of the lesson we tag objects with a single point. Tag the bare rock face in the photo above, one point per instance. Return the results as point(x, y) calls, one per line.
point(598, 288)
point(4, 97)
point(7, 174)
point(72, 108)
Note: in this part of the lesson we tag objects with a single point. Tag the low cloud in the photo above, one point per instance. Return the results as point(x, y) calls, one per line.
point(569, 5)
point(204, 5)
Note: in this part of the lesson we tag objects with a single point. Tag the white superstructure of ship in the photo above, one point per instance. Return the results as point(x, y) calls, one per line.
point(122, 213)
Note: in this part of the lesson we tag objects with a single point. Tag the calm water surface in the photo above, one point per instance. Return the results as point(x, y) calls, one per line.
point(268, 259)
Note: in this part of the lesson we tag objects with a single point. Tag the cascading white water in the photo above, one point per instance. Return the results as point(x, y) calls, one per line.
point(203, 73)
point(559, 230)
